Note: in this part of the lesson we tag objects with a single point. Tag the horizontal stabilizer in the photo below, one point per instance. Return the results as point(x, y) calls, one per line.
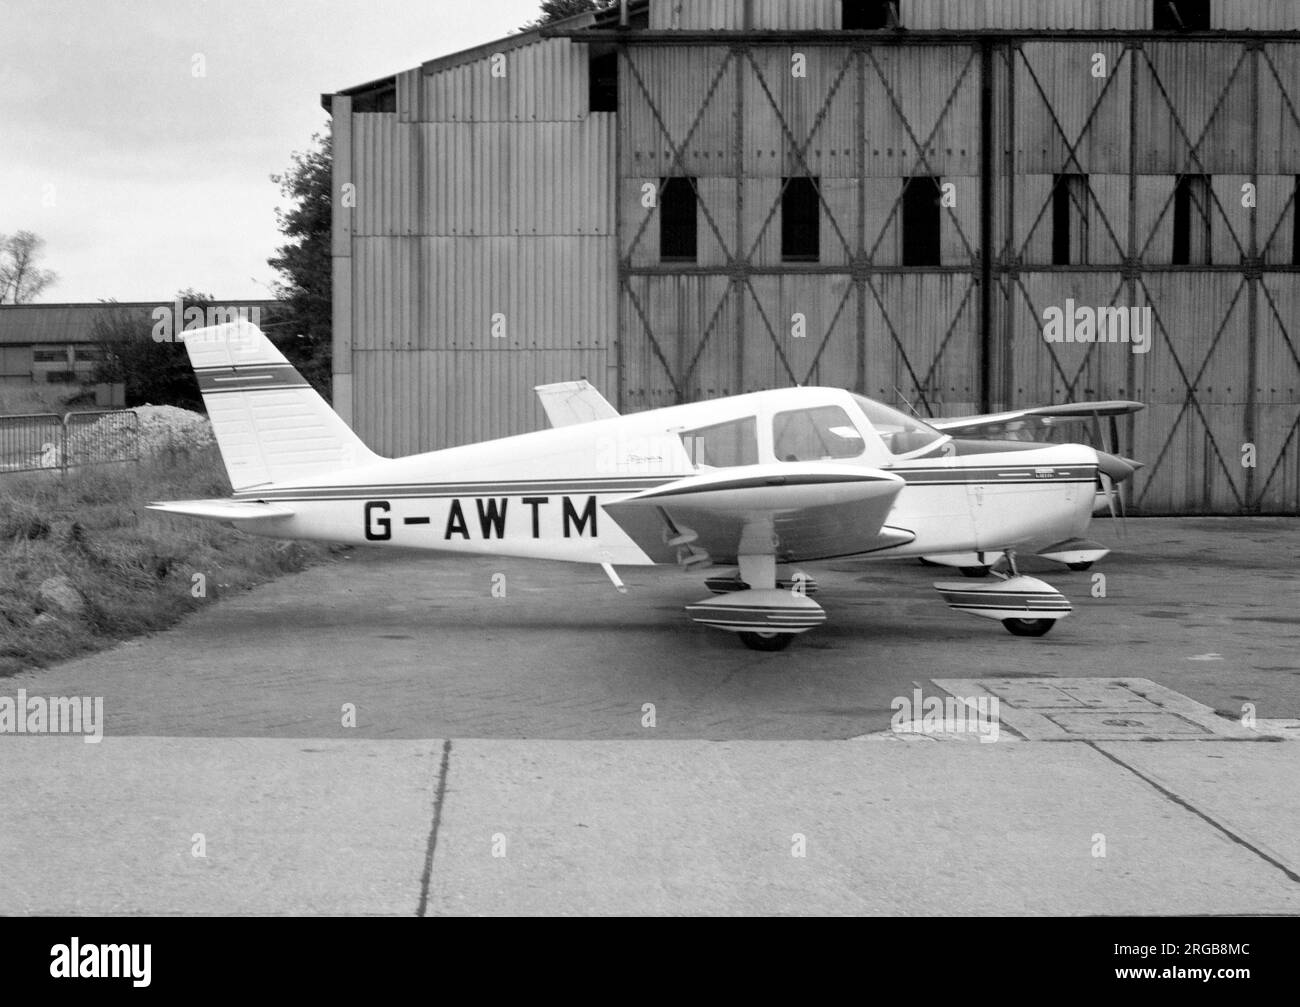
point(223, 510)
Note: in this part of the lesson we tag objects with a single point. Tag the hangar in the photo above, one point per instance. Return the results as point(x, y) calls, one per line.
point(679, 199)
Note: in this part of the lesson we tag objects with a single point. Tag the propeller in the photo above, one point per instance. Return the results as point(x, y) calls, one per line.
point(1111, 471)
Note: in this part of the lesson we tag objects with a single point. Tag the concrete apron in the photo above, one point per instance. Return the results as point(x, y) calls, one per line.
point(1074, 825)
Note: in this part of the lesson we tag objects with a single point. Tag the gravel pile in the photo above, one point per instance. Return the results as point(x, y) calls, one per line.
point(162, 429)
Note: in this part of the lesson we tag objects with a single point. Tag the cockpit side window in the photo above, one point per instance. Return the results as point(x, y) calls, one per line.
point(723, 444)
point(805, 435)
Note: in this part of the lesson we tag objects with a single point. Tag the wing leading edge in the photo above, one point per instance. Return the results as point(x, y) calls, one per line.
point(793, 511)
point(1038, 416)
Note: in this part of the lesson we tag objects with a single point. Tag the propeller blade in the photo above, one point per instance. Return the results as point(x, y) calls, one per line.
point(1117, 468)
point(1114, 501)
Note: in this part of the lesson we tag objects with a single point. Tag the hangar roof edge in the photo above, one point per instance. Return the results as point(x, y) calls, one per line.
point(587, 19)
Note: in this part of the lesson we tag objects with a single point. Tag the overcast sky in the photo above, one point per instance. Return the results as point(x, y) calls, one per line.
point(145, 179)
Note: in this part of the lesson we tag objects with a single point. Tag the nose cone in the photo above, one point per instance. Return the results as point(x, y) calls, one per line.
point(1117, 468)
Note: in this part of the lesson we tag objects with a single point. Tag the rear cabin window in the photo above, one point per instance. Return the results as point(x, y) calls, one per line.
point(724, 444)
point(809, 435)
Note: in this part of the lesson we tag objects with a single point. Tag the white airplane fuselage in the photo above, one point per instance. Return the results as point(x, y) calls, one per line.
point(543, 495)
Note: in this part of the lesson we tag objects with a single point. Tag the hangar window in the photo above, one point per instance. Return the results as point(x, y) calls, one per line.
point(800, 219)
point(54, 356)
point(602, 73)
point(809, 435)
point(1180, 15)
point(868, 15)
point(1192, 220)
point(677, 211)
point(1069, 220)
point(921, 221)
point(723, 444)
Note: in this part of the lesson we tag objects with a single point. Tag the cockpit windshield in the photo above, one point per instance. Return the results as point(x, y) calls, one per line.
point(901, 433)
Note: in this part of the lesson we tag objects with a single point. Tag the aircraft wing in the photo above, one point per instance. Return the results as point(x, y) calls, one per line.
point(993, 424)
point(223, 510)
point(569, 402)
point(793, 510)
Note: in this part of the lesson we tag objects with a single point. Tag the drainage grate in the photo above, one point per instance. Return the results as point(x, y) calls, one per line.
point(1096, 709)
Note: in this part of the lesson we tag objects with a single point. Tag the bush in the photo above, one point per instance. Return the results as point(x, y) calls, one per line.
point(133, 568)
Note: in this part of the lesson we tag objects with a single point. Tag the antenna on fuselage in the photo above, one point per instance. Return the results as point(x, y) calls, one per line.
point(909, 405)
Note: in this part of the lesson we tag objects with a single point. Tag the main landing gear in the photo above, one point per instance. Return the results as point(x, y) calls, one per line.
point(767, 612)
point(764, 611)
point(768, 641)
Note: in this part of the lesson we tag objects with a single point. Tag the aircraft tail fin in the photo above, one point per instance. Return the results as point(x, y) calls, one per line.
point(270, 424)
point(569, 402)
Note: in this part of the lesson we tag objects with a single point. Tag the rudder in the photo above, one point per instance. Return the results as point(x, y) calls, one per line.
point(270, 424)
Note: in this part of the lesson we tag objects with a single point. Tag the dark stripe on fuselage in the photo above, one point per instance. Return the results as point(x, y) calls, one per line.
point(400, 491)
point(1001, 475)
point(633, 484)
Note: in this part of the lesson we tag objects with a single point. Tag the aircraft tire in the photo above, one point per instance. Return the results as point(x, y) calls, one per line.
point(766, 641)
point(1028, 627)
point(974, 571)
point(1079, 566)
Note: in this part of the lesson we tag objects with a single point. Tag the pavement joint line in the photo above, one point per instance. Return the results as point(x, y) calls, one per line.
point(1182, 802)
point(426, 876)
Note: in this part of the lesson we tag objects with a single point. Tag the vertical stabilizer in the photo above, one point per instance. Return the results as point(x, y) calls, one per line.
point(270, 424)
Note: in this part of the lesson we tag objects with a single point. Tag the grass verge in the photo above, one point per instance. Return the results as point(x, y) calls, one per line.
point(132, 571)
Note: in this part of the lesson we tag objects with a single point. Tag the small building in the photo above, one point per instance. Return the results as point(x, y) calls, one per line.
point(58, 342)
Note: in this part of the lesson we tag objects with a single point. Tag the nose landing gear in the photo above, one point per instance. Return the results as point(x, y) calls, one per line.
point(1026, 606)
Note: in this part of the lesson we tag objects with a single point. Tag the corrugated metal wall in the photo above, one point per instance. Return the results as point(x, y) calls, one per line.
point(800, 15)
point(484, 199)
point(705, 15)
point(1222, 371)
point(741, 120)
point(480, 256)
point(915, 335)
point(708, 15)
point(1046, 14)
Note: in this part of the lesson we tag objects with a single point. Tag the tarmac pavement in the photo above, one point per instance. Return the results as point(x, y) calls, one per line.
point(669, 827)
point(569, 750)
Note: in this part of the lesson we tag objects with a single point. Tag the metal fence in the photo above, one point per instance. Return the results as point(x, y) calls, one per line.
point(43, 441)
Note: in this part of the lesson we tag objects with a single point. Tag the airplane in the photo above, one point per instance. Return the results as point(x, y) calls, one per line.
point(569, 402)
point(764, 482)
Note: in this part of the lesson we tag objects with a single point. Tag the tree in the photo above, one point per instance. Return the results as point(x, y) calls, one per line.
point(152, 372)
point(21, 280)
point(302, 328)
point(558, 10)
